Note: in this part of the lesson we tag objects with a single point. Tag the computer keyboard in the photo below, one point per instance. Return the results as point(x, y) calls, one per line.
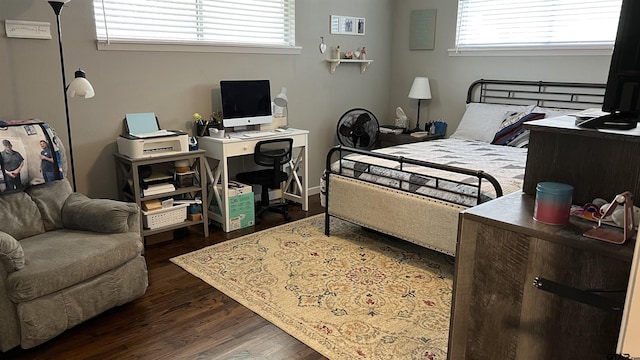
point(248, 134)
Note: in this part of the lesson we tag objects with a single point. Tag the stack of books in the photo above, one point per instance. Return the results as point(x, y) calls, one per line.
point(155, 189)
point(420, 134)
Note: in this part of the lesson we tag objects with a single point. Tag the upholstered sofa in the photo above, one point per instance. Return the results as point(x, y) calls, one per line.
point(64, 259)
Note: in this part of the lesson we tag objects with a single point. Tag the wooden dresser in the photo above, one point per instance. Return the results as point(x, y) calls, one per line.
point(497, 311)
point(598, 163)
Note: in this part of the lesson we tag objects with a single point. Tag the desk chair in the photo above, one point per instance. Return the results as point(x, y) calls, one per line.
point(272, 153)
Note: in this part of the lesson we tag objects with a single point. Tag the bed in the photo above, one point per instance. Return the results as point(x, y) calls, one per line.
point(415, 192)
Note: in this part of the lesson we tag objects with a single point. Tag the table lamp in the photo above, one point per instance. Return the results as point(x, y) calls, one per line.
point(420, 90)
point(281, 99)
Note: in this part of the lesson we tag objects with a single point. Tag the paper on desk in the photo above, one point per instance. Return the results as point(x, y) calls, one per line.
point(589, 113)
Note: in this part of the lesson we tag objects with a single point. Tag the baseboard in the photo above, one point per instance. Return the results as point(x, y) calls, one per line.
point(277, 194)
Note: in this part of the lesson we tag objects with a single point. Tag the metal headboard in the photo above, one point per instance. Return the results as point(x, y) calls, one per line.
point(564, 95)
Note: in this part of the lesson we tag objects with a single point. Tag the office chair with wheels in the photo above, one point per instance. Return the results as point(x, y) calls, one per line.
point(273, 153)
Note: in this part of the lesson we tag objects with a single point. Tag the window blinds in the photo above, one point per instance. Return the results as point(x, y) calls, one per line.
point(261, 22)
point(536, 23)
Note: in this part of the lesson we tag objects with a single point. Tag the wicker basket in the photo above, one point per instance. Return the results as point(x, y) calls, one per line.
point(164, 217)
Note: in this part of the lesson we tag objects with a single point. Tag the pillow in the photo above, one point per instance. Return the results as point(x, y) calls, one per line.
point(520, 141)
point(552, 112)
point(481, 121)
point(513, 126)
point(11, 254)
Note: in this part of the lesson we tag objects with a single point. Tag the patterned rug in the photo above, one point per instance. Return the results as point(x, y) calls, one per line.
point(353, 295)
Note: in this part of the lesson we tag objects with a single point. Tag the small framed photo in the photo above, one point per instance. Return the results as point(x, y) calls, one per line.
point(360, 26)
point(348, 25)
point(335, 24)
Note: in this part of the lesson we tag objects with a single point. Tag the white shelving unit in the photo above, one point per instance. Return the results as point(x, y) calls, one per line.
point(128, 178)
point(335, 62)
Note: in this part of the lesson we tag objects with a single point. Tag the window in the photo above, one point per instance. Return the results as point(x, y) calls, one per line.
point(262, 23)
point(542, 24)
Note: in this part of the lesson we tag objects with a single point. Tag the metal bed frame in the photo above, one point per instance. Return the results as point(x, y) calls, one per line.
point(561, 95)
point(473, 192)
point(565, 95)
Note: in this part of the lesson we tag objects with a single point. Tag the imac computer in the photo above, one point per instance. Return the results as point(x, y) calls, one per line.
point(245, 103)
point(622, 94)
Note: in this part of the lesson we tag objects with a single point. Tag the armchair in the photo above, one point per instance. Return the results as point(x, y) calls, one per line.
point(64, 258)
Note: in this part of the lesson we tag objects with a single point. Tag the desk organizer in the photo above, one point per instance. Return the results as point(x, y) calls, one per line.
point(164, 217)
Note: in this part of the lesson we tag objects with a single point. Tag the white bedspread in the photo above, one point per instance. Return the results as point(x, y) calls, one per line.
point(505, 163)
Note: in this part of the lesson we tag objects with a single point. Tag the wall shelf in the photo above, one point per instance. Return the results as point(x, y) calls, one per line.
point(335, 62)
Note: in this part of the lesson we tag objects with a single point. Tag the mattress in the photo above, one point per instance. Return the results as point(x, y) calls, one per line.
point(505, 163)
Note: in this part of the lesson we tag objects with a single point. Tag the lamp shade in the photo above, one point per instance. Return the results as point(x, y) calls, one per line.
point(80, 86)
point(281, 99)
point(420, 89)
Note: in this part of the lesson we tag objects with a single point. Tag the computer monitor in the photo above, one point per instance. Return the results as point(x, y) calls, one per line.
point(622, 95)
point(245, 102)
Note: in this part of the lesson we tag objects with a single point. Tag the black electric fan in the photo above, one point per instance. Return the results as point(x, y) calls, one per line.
point(358, 128)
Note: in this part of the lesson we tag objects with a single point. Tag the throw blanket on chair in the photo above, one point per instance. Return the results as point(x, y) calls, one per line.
point(30, 154)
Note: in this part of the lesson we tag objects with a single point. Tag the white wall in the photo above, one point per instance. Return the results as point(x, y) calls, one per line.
point(450, 76)
point(174, 85)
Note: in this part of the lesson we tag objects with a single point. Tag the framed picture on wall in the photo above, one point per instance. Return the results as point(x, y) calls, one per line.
point(335, 24)
point(348, 25)
point(360, 26)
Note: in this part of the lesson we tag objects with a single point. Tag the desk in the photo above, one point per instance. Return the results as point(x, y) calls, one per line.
point(295, 189)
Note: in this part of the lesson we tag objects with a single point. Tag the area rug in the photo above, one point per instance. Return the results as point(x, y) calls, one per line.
point(353, 295)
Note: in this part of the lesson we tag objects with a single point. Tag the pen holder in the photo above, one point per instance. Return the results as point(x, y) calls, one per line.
point(216, 133)
point(440, 128)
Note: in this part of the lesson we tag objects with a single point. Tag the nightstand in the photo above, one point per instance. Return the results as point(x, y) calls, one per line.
point(386, 139)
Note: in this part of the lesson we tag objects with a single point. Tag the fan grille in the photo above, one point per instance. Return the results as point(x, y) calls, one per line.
point(358, 128)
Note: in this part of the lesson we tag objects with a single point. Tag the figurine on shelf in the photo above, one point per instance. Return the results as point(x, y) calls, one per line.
point(337, 52)
point(363, 53)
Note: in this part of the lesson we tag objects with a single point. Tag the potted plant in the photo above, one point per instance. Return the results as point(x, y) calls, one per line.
point(216, 119)
point(203, 126)
point(216, 128)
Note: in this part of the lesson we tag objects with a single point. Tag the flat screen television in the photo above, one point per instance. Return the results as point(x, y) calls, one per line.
point(245, 102)
point(622, 94)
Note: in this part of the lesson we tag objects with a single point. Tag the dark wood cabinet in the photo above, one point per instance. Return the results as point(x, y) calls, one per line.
point(598, 163)
point(497, 311)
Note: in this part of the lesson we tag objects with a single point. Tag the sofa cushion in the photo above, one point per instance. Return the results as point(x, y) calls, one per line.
point(47, 316)
point(11, 254)
point(19, 216)
point(99, 215)
point(50, 198)
point(61, 258)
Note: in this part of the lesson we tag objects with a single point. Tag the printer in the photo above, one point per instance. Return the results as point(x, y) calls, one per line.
point(142, 137)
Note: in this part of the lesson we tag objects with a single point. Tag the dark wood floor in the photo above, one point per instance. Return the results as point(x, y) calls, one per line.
point(180, 316)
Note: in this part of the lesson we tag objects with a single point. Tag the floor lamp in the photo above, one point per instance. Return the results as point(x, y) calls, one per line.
point(80, 86)
point(420, 90)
